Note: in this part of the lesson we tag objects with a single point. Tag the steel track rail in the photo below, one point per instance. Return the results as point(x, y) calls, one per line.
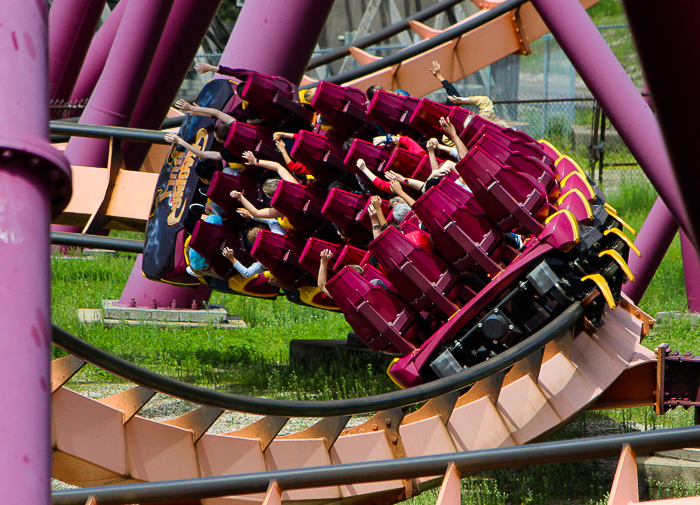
point(288, 408)
point(96, 242)
point(383, 34)
point(408, 468)
point(423, 46)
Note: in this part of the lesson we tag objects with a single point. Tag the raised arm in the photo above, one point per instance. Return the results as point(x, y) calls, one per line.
point(284, 174)
point(376, 215)
point(174, 139)
point(196, 110)
point(268, 213)
point(407, 181)
point(282, 148)
point(397, 189)
point(431, 146)
point(203, 68)
point(450, 131)
point(326, 256)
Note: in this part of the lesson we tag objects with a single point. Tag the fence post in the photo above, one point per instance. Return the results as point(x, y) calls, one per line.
point(593, 149)
point(601, 158)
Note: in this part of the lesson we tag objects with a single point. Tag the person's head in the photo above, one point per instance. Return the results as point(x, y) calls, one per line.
point(358, 269)
point(253, 234)
point(400, 211)
point(433, 181)
point(221, 132)
point(270, 186)
point(347, 145)
point(395, 201)
point(309, 95)
point(372, 90)
point(390, 225)
point(206, 168)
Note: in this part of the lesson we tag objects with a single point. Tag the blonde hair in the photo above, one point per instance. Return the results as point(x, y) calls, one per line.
point(309, 94)
point(358, 269)
point(269, 187)
point(253, 234)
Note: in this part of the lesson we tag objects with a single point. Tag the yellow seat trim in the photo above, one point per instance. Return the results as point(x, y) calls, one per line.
point(572, 219)
point(625, 238)
point(620, 261)
point(589, 211)
point(603, 286)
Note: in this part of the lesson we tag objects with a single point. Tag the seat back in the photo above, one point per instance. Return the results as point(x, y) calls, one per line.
point(344, 108)
point(514, 143)
point(310, 258)
point(244, 137)
point(220, 189)
point(280, 254)
point(464, 236)
point(210, 239)
point(426, 117)
point(323, 156)
point(375, 157)
point(275, 99)
point(475, 123)
point(301, 205)
point(393, 113)
point(344, 209)
point(403, 162)
point(421, 278)
point(379, 318)
point(513, 201)
point(458, 117)
point(350, 255)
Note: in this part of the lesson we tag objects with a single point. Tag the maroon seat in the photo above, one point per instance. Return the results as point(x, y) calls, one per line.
point(350, 255)
point(465, 237)
point(348, 211)
point(280, 254)
point(513, 201)
point(458, 116)
point(344, 108)
point(426, 117)
point(379, 318)
point(475, 123)
point(301, 205)
point(310, 257)
point(244, 137)
point(323, 156)
point(525, 164)
point(375, 157)
point(393, 113)
point(220, 189)
point(423, 279)
point(516, 145)
point(210, 239)
point(404, 162)
point(275, 99)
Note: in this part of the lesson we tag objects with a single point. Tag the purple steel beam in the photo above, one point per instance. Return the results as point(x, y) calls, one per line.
point(613, 89)
point(653, 241)
point(97, 54)
point(665, 42)
point(34, 184)
point(117, 91)
point(187, 25)
point(276, 37)
point(72, 24)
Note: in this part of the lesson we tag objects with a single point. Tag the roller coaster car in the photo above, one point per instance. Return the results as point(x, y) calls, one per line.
point(281, 254)
point(426, 117)
point(344, 108)
point(375, 157)
point(514, 144)
point(302, 205)
point(322, 156)
point(275, 99)
point(379, 317)
point(348, 211)
point(393, 113)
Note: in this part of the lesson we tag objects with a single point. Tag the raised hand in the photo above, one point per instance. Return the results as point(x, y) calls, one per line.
point(183, 105)
point(393, 176)
point(376, 203)
point(326, 256)
point(249, 158)
point(436, 68)
point(244, 213)
point(447, 127)
point(459, 99)
point(432, 144)
point(203, 68)
point(280, 145)
point(228, 254)
point(172, 138)
point(361, 164)
point(236, 195)
point(396, 187)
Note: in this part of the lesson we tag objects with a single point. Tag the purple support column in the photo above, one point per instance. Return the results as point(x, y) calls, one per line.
point(610, 85)
point(187, 25)
point(653, 241)
point(276, 37)
point(143, 291)
point(72, 24)
point(34, 181)
point(97, 54)
point(117, 91)
point(691, 272)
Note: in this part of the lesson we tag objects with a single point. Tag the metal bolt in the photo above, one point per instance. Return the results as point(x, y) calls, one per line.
point(479, 325)
point(511, 327)
point(494, 342)
point(360, 430)
point(388, 423)
point(132, 303)
point(495, 311)
point(7, 155)
point(375, 427)
point(154, 305)
point(34, 162)
point(394, 439)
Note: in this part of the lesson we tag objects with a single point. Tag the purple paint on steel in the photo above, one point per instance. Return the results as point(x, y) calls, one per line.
point(276, 37)
point(144, 291)
point(72, 24)
point(117, 91)
point(97, 54)
point(653, 241)
point(34, 183)
point(610, 85)
point(187, 25)
point(691, 272)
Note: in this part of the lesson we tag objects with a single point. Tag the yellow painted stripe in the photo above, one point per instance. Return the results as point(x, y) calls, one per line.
point(620, 261)
point(625, 238)
point(603, 286)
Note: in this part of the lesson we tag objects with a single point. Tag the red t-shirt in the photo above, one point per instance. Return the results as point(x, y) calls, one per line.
point(298, 168)
point(411, 145)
